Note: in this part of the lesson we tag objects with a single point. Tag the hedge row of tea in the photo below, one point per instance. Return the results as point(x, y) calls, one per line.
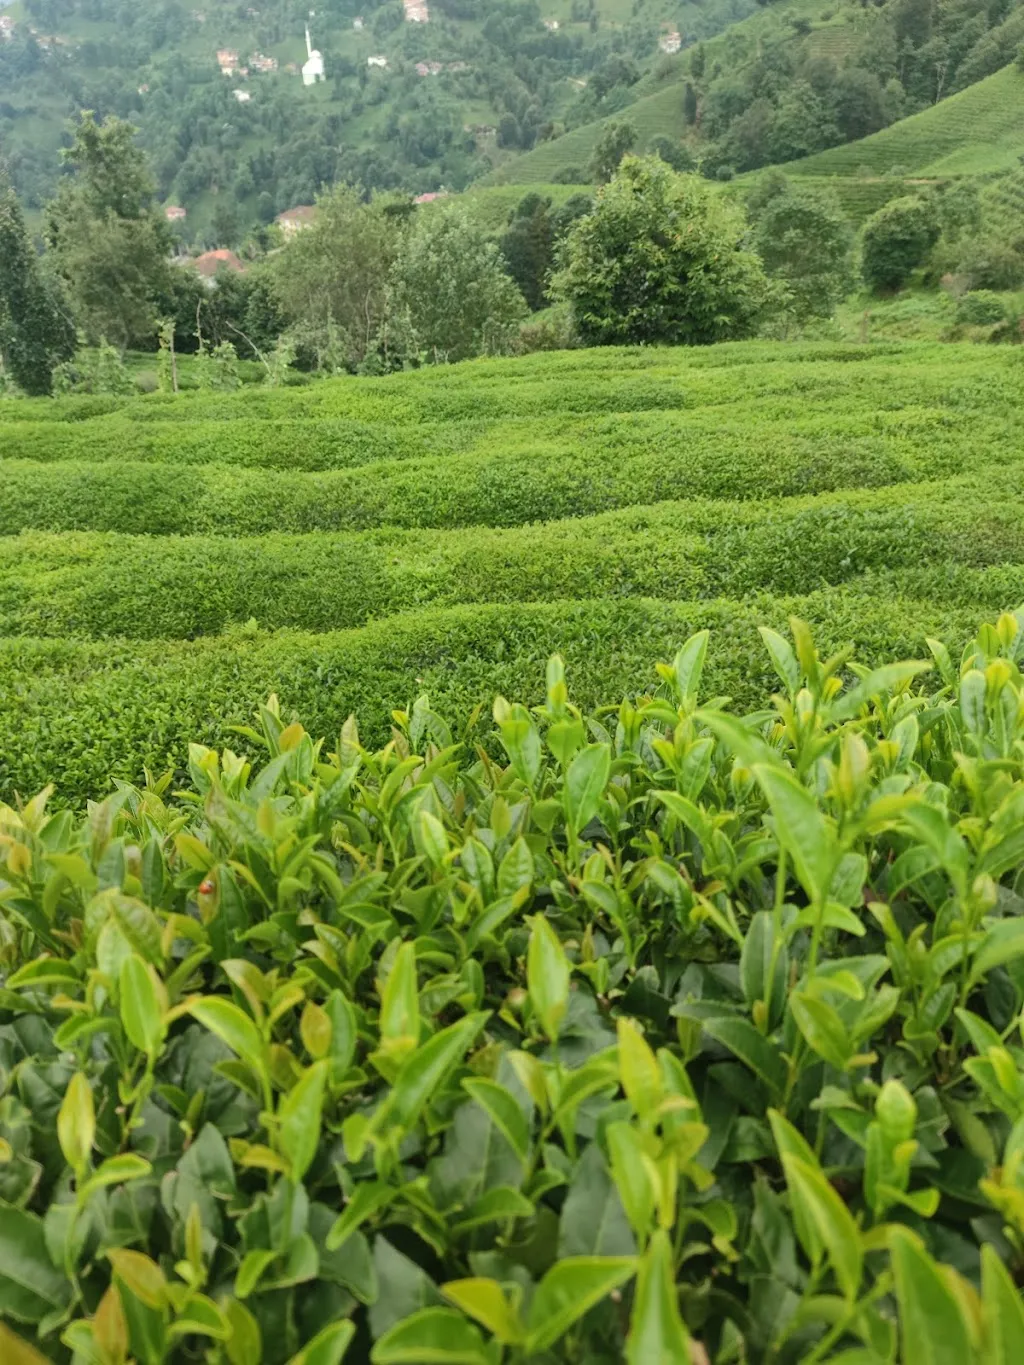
point(338, 542)
point(656, 1033)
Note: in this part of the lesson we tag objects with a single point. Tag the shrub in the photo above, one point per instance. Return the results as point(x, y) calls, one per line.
point(897, 240)
point(660, 260)
point(533, 1042)
point(991, 263)
point(979, 308)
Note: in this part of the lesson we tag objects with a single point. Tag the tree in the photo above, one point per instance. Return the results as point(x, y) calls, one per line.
point(616, 140)
point(660, 259)
point(449, 283)
point(897, 240)
point(690, 103)
point(674, 154)
point(108, 242)
point(804, 240)
point(331, 279)
point(527, 245)
point(35, 332)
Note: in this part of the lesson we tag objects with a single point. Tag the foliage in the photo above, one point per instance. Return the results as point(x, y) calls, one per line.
point(805, 241)
point(94, 370)
point(35, 333)
point(449, 282)
point(660, 259)
point(615, 142)
point(107, 243)
point(330, 279)
point(897, 240)
point(618, 1034)
point(980, 307)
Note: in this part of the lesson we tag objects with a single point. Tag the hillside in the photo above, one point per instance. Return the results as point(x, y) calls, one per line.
point(233, 134)
point(975, 132)
point(166, 561)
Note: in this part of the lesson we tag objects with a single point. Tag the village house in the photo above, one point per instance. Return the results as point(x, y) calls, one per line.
point(6, 28)
point(429, 198)
point(210, 263)
point(416, 11)
point(242, 96)
point(357, 23)
point(258, 62)
point(670, 42)
point(429, 68)
point(551, 25)
point(227, 60)
point(294, 220)
point(174, 213)
point(377, 61)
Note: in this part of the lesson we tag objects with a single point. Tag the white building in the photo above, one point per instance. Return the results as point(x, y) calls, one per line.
point(377, 61)
point(242, 96)
point(670, 42)
point(313, 69)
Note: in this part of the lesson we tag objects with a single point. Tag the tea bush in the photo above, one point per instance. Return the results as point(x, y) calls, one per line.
point(657, 1032)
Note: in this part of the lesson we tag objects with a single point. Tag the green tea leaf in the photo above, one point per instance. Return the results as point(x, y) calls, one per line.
point(328, 1347)
point(298, 1117)
point(802, 829)
point(233, 1027)
point(423, 1072)
point(547, 976)
point(569, 1289)
point(585, 781)
point(656, 1329)
point(142, 1011)
point(932, 1326)
point(1003, 1311)
point(433, 1336)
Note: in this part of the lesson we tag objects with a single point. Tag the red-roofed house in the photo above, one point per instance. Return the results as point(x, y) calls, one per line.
point(210, 263)
point(294, 220)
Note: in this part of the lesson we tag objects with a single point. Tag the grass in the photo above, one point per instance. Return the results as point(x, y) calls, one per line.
point(165, 562)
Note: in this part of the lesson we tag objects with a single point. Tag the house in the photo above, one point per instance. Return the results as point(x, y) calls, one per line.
point(670, 42)
point(227, 60)
point(242, 96)
point(377, 61)
point(429, 68)
point(294, 220)
point(551, 25)
point(174, 213)
point(357, 23)
point(416, 11)
point(210, 263)
point(6, 28)
point(429, 198)
point(258, 62)
point(313, 68)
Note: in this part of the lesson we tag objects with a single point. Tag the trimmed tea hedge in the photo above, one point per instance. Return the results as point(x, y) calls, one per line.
point(145, 587)
point(655, 1034)
point(80, 713)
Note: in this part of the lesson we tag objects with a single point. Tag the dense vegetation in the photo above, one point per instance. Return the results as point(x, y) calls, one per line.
point(658, 1033)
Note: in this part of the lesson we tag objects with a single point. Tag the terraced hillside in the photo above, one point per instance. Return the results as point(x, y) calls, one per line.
point(166, 563)
point(978, 131)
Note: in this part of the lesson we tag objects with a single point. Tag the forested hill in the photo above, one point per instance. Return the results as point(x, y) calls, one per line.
point(425, 96)
point(494, 78)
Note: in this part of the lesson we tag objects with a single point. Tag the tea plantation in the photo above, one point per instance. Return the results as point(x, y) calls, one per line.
point(635, 970)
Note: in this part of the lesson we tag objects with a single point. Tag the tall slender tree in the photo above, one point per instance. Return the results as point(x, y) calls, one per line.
point(36, 333)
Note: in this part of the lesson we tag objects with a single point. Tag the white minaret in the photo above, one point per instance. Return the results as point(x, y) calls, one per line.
point(313, 69)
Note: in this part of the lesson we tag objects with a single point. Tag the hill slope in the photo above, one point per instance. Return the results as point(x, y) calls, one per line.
point(164, 563)
point(979, 130)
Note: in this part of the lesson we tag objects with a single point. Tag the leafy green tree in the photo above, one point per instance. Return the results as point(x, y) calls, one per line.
point(330, 280)
point(527, 245)
point(661, 259)
point(109, 244)
point(674, 154)
point(449, 283)
point(897, 240)
point(616, 140)
point(804, 240)
point(690, 103)
point(36, 333)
